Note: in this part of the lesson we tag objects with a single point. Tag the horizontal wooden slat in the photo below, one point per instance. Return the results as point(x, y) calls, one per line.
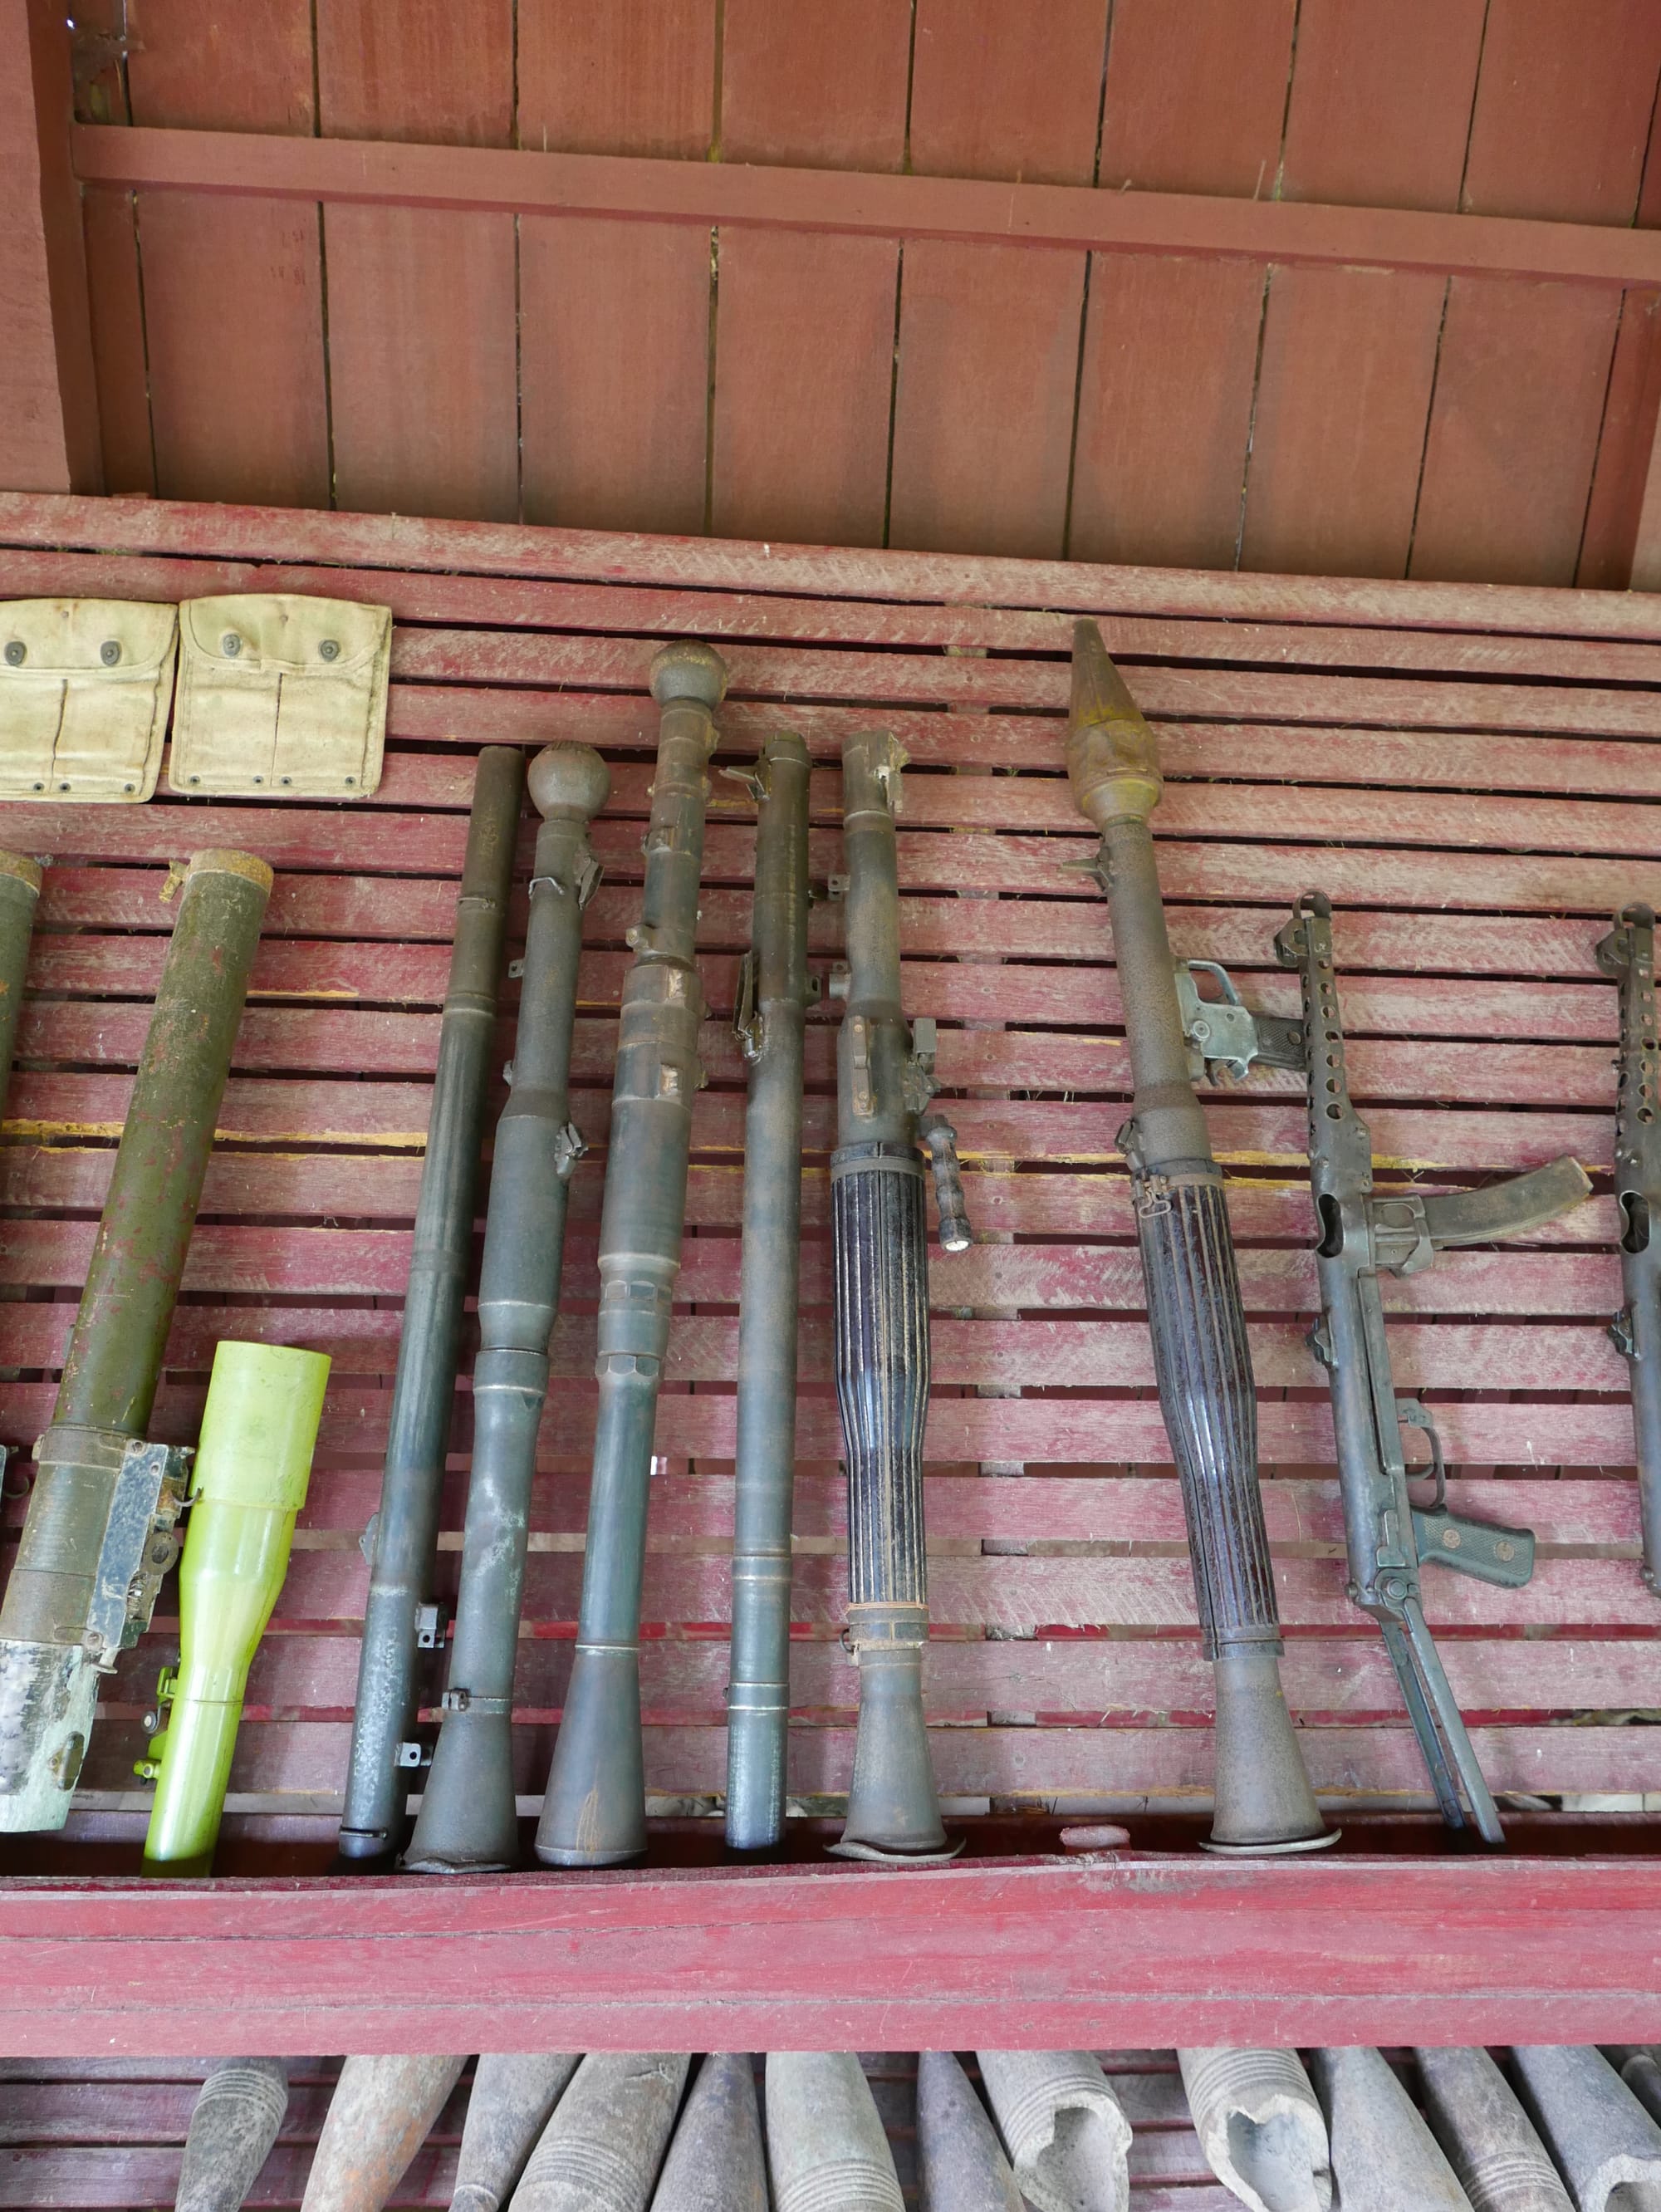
point(266, 533)
point(304, 1758)
point(534, 604)
point(360, 1263)
point(1110, 1680)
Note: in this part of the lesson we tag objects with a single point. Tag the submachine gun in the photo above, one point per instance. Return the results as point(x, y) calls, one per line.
point(1388, 1536)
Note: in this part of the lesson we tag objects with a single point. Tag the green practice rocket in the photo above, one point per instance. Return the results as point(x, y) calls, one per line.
point(258, 1431)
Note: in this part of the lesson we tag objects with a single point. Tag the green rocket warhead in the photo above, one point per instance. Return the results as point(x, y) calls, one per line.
point(258, 1431)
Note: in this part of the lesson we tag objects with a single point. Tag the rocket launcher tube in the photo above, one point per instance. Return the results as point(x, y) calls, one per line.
point(258, 1432)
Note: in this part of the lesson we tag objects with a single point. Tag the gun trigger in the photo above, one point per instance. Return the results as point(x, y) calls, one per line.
point(1482, 1548)
point(1321, 1344)
point(1621, 1335)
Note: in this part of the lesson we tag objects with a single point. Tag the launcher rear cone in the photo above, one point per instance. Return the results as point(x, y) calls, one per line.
point(1067, 2138)
point(961, 2163)
point(716, 2163)
point(1383, 2156)
point(377, 2120)
point(827, 2150)
point(1606, 2144)
point(236, 2120)
point(513, 2094)
point(1502, 2165)
point(1261, 2128)
point(603, 2147)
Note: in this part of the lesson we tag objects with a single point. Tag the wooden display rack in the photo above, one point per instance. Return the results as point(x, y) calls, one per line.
point(1470, 772)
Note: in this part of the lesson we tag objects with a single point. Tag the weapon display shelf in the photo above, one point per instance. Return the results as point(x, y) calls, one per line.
point(1472, 773)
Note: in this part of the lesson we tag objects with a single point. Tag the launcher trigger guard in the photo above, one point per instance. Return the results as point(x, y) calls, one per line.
point(1224, 1036)
point(1410, 1414)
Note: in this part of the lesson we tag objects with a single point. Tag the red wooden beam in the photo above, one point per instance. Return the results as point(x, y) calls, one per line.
point(48, 425)
point(1132, 1950)
point(1070, 217)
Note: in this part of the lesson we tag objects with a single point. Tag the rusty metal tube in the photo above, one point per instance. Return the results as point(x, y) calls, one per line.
point(716, 2162)
point(384, 1755)
point(1202, 1361)
point(513, 2096)
point(467, 1822)
point(379, 2118)
point(594, 1811)
point(237, 2117)
point(771, 1017)
point(97, 1539)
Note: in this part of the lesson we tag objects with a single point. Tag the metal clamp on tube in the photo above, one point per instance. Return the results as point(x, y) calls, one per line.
point(1387, 1538)
point(880, 1258)
point(1627, 954)
point(99, 1533)
point(384, 1752)
point(594, 1811)
point(770, 1018)
point(1202, 1362)
point(467, 1822)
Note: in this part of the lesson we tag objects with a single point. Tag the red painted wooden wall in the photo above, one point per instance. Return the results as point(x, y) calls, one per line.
point(1198, 408)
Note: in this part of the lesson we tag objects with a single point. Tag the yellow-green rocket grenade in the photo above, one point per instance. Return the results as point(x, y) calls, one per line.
point(258, 1431)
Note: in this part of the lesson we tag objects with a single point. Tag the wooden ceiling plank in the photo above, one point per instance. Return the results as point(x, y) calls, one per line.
point(613, 317)
point(823, 86)
point(637, 77)
point(1165, 409)
point(1521, 385)
point(1380, 113)
point(984, 393)
point(803, 356)
point(1195, 95)
point(1626, 448)
point(422, 302)
point(1343, 392)
point(1563, 109)
point(991, 99)
point(233, 295)
point(49, 437)
point(803, 384)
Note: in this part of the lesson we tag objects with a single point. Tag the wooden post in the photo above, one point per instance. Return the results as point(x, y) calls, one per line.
point(49, 438)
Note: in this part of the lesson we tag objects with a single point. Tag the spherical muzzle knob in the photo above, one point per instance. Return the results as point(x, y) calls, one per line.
point(568, 780)
point(688, 670)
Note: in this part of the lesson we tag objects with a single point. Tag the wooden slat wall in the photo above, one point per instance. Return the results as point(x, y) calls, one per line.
point(1474, 787)
point(815, 387)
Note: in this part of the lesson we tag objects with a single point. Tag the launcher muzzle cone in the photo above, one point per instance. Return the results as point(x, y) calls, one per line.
point(235, 2122)
point(1606, 2144)
point(513, 2094)
point(1502, 2165)
point(827, 2150)
point(603, 2147)
point(377, 2120)
point(1261, 2128)
point(1067, 2137)
point(960, 2162)
point(716, 2162)
point(1383, 2156)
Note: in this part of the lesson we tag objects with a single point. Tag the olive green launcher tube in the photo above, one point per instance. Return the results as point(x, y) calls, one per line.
point(385, 1758)
point(20, 893)
point(253, 1462)
point(66, 1612)
point(758, 1695)
point(466, 1823)
point(594, 1812)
